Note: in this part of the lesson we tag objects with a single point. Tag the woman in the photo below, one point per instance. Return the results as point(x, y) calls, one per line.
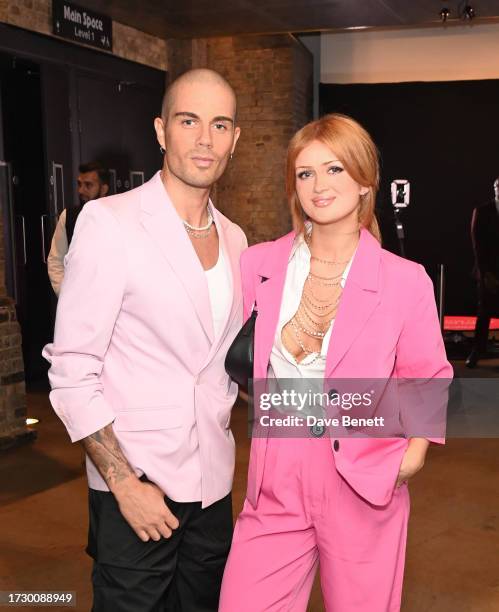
point(331, 303)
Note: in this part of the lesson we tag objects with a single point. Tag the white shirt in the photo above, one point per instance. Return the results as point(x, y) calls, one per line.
point(220, 290)
point(282, 363)
point(58, 250)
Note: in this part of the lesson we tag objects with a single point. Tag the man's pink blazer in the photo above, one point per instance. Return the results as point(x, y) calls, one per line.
point(134, 344)
point(386, 326)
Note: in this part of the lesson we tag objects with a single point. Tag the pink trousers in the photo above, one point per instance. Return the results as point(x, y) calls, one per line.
point(308, 515)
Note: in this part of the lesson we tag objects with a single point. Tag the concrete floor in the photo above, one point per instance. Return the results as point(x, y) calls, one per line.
point(453, 548)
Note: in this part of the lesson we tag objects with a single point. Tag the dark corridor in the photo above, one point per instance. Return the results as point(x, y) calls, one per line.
point(61, 106)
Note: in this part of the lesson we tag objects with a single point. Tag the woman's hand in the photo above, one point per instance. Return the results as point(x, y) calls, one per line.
point(413, 459)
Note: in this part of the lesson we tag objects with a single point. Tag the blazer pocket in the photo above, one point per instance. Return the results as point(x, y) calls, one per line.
point(148, 419)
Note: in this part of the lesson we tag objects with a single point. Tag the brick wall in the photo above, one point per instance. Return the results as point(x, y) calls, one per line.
point(12, 392)
point(272, 77)
point(128, 43)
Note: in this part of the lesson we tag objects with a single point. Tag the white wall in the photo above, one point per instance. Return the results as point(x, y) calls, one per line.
point(453, 53)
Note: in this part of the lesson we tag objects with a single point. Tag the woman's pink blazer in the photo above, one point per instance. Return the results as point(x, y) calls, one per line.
point(386, 326)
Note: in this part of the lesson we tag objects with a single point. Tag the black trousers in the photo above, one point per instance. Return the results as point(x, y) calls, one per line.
point(488, 306)
point(179, 574)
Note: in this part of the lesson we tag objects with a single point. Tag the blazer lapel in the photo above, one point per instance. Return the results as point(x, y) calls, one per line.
point(268, 300)
point(359, 300)
point(161, 221)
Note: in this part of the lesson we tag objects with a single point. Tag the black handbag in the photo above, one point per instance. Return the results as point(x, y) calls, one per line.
point(239, 358)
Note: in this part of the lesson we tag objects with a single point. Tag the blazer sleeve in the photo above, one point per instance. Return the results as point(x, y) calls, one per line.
point(90, 300)
point(422, 364)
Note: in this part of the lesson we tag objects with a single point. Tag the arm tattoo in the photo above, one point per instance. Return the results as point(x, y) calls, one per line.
point(105, 451)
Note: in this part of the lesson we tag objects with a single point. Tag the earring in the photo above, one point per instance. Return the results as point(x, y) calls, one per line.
point(162, 150)
point(231, 155)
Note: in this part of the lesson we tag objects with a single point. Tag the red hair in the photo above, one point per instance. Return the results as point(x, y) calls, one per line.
point(357, 152)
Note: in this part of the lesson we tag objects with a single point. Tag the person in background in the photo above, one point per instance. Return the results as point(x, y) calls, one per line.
point(485, 239)
point(93, 183)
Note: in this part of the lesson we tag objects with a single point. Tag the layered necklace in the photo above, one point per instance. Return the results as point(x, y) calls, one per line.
point(318, 306)
point(200, 232)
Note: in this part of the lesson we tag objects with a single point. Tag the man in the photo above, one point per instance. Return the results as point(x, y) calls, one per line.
point(485, 238)
point(93, 183)
point(150, 304)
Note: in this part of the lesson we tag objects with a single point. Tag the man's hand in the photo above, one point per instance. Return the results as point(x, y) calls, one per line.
point(143, 507)
point(141, 503)
point(413, 459)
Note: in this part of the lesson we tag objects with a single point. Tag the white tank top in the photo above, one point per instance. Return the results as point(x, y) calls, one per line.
point(220, 290)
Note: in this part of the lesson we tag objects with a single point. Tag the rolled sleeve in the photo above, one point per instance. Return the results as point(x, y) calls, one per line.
point(89, 305)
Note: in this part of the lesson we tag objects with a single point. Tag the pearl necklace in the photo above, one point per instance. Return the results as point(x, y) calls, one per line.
point(199, 232)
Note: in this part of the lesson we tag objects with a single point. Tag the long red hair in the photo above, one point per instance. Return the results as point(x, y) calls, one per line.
point(357, 152)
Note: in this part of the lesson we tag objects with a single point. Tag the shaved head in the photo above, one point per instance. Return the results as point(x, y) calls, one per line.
point(202, 76)
point(196, 131)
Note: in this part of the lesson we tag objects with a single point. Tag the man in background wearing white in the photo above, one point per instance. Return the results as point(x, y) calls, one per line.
point(93, 183)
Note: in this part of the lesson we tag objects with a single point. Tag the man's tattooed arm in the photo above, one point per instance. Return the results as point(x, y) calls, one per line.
point(104, 450)
point(142, 504)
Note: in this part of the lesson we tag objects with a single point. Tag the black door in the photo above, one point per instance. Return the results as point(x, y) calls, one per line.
point(24, 180)
point(116, 127)
point(59, 125)
point(140, 106)
point(62, 105)
point(99, 125)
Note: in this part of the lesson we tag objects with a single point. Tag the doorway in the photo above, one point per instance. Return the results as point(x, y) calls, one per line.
point(25, 222)
point(60, 106)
